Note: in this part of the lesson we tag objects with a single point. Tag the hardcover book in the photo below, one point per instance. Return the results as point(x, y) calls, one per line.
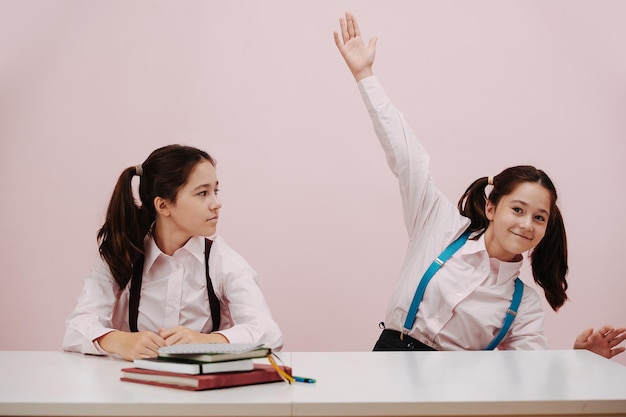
point(192, 367)
point(261, 374)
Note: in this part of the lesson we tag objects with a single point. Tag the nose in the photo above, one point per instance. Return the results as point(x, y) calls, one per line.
point(526, 223)
point(215, 203)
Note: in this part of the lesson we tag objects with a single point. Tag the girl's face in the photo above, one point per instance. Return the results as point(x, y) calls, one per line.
point(519, 221)
point(196, 209)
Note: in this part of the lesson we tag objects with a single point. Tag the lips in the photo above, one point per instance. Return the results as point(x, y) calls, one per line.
point(522, 236)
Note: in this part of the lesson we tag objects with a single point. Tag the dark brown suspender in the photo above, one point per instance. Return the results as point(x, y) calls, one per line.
point(214, 303)
point(135, 291)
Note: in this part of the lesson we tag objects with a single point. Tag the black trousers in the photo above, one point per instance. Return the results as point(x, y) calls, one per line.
point(390, 340)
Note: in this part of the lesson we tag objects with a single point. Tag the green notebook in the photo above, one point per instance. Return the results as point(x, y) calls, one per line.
point(214, 352)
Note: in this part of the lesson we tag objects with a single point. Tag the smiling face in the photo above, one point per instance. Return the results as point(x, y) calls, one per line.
point(518, 222)
point(195, 211)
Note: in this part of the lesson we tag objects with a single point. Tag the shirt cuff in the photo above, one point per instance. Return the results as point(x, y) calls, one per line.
point(96, 345)
point(373, 93)
point(235, 335)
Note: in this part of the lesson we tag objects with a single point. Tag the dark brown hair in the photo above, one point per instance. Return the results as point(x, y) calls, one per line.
point(549, 257)
point(127, 222)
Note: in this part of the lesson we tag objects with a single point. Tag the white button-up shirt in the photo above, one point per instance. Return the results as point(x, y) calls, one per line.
point(173, 293)
point(466, 301)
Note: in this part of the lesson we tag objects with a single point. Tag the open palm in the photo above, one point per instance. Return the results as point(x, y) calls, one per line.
point(358, 56)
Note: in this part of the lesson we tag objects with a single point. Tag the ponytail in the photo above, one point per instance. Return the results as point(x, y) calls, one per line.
point(472, 205)
point(549, 257)
point(549, 261)
point(126, 225)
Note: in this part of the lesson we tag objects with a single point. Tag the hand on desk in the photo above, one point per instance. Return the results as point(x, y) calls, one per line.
point(603, 341)
point(132, 345)
point(182, 334)
point(136, 345)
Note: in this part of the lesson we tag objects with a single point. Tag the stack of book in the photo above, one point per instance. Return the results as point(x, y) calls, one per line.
point(205, 366)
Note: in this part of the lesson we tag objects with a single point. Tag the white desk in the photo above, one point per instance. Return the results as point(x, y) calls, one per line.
point(71, 384)
point(567, 382)
point(349, 384)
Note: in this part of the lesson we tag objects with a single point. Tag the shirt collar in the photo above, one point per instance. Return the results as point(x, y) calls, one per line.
point(474, 246)
point(505, 270)
point(194, 246)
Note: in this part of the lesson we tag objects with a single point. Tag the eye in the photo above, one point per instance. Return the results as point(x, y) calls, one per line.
point(202, 193)
point(217, 191)
point(540, 218)
point(517, 209)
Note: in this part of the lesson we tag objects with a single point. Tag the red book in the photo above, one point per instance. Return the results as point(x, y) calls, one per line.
point(261, 374)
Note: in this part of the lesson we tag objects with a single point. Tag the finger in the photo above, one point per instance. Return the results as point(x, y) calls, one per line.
point(612, 335)
point(149, 353)
point(604, 330)
point(618, 339)
point(136, 355)
point(173, 339)
point(337, 41)
point(355, 24)
point(372, 43)
point(154, 344)
point(160, 342)
point(148, 350)
point(617, 351)
point(184, 339)
point(350, 23)
point(584, 335)
point(152, 351)
point(344, 30)
point(165, 333)
point(618, 336)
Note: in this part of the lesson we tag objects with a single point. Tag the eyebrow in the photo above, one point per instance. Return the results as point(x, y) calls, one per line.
point(217, 183)
point(525, 204)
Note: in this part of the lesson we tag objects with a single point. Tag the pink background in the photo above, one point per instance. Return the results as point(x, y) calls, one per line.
point(88, 88)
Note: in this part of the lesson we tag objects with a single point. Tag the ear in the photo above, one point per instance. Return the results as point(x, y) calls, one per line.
point(162, 206)
point(490, 210)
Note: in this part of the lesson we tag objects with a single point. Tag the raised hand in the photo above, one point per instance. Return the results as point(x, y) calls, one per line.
point(360, 58)
point(603, 341)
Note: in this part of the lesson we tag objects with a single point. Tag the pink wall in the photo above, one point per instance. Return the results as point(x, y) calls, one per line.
point(88, 88)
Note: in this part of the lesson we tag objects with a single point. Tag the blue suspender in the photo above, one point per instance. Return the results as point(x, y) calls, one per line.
point(432, 270)
point(510, 314)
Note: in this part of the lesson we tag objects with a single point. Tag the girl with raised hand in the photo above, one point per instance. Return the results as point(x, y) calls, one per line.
point(165, 277)
point(459, 286)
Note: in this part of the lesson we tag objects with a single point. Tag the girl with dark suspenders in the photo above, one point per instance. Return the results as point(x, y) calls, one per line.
point(459, 287)
point(161, 280)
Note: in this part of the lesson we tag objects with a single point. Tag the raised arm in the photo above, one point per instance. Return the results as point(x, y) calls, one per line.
point(425, 209)
point(360, 58)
